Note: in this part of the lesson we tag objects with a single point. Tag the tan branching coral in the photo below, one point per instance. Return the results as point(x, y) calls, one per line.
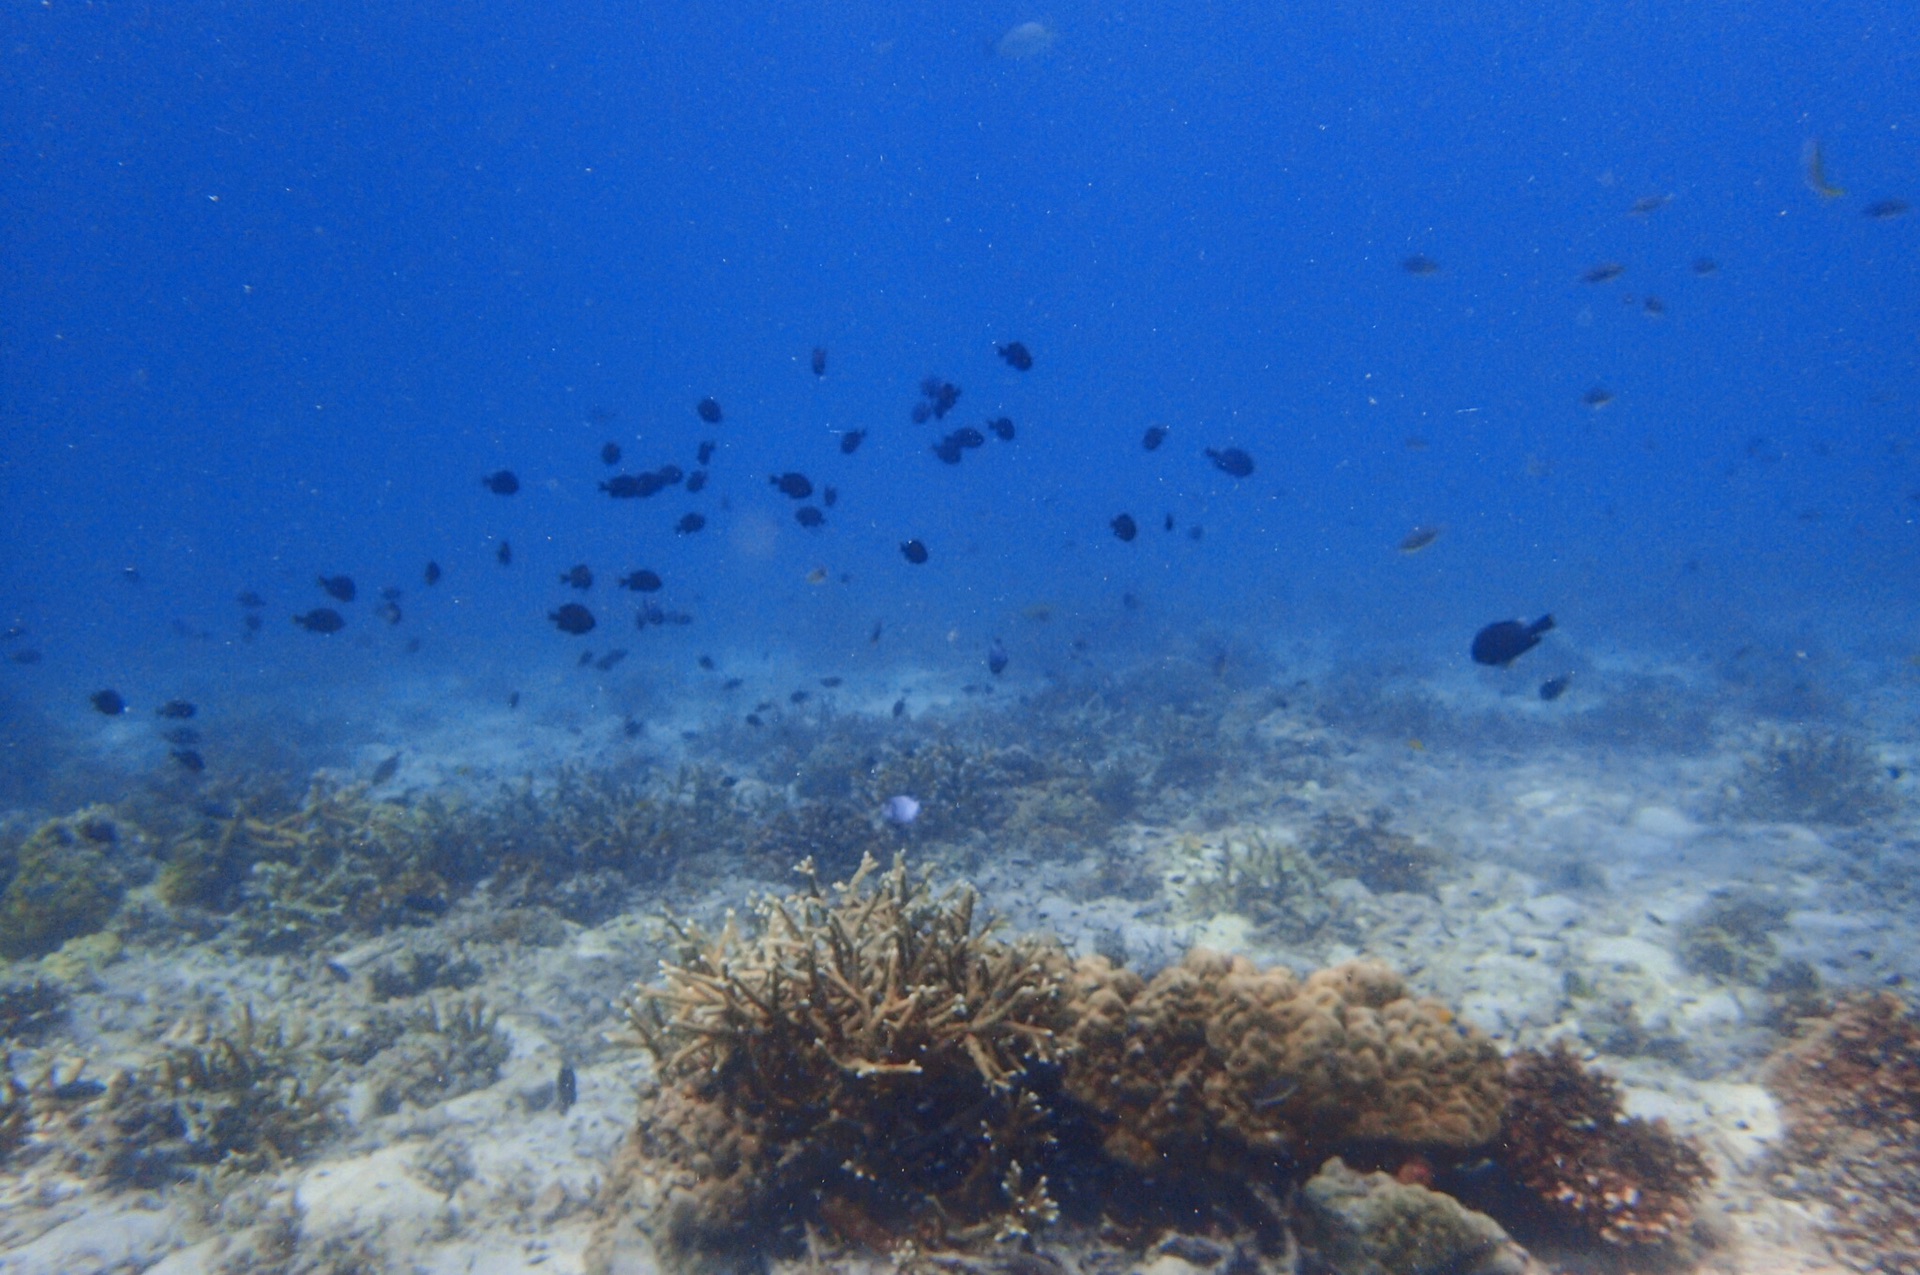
point(1217, 1053)
point(1593, 1169)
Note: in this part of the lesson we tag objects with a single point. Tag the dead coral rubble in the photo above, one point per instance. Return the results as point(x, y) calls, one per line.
point(1850, 1090)
point(1620, 1179)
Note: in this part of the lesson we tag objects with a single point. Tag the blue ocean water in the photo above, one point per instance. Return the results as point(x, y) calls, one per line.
point(282, 283)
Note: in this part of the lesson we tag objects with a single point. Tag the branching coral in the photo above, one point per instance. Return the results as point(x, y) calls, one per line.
point(1813, 776)
point(1593, 1170)
point(1381, 859)
point(1267, 879)
point(1850, 1091)
point(65, 883)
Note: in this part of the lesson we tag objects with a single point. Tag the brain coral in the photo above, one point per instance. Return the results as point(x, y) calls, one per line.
point(1217, 1047)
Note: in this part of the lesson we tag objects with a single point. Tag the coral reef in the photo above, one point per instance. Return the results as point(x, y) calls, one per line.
point(1267, 879)
point(1591, 1169)
point(1369, 1224)
point(1361, 846)
point(1731, 937)
point(1216, 1056)
point(64, 882)
point(438, 1053)
point(1806, 775)
point(30, 1008)
point(1849, 1090)
point(852, 1066)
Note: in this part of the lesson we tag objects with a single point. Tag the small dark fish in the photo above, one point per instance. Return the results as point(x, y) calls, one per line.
point(941, 397)
point(1419, 264)
point(753, 719)
point(709, 410)
point(1231, 461)
point(412, 647)
point(851, 440)
point(819, 362)
point(504, 554)
point(1125, 527)
point(968, 437)
point(706, 662)
point(913, 551)
point(339, 588)
point(384, 771)
point(321, 620)
point(178, 710)
point(733, 684)
point(689, 524)
point(108, 702)
point(189, 760)
point(873, 636)
point(1016, 355)
point(669, 474)
point(1654, 306)
point(513, 700)
point(900, 707)
point(432, 574)
point(181, 736)
point(795, 486)
point(1419, 538)
point(1603, 272)
point(922, 412)
point(572, 618)
point(579, 576)
point(1886, 209)
point(501, 482)
point(809, 516)
point(1155, 435)
point(611, 658)
point(28, 655)
point(253, 623)
point(1554, 687)
point(1650, 204)
point(390, 612)
point(1597, 397)
point(250, 600)
point(948, 451)
point(1002, 427)
point(831, 682)
point(1705, 265)
point(1196, 532)
point(1503, 642)
point(799, 697)
point(633, 486)
point(696, 482)
point(641, 581)
point(705, 454)
point(610, 453)
point(1167, 523)
point(130, 574)
point(393, 593)
point(566, 1089)
point(830, 496)
point(996, 658)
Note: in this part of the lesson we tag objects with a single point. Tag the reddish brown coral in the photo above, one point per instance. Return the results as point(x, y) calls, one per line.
point(1850, 1092)
point(1621, 1179)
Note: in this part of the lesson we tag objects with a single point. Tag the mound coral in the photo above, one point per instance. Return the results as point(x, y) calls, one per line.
point(64, 883)
point(1850, 1092)
point(1593, 1170)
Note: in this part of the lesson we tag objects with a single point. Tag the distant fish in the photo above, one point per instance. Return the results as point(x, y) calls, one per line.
point(900, 707)
point(181, 736)
point(1231, 461)
point(1886, 209)
point(504, 554)
point(390, 612)
point(705, 454)
point(913, 551)
point(940, 396)
point(1705, 265)
point(384, 771)
point(1649, 204)
point(130, 574)
point(809, 516)
point(696, 481)
point(832, 683)
point(248, 599)
point(819, 361)
point(572, 618)
point(1603, 272)
point(1016, 355)
point(1816, 168)
point(1420, 264)
point(611, 658)
point(792, 485)
point(1124, 527)
point(689, 523)
point(432, 574)
point(189, 760)
point(340, 588)
point(1155, 435)
point(108, 702)
point(851, 440)
point(31, 655)
point(1501, 643)
point(1654, 306)
point(578, 576)
point(709, 410)
point(641, 581)
point(1002, 427)
point(900, 810)
point(513, 700)
point(996, 658)
point(501, 482)
point(178, 710)
point(1554, 687)
point(1419, 538)
point(321, 620)
point(830, 496)
point(610, 453)
point(1597, 397)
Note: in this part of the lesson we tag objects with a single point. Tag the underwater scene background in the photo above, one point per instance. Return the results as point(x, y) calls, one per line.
point(949, 637)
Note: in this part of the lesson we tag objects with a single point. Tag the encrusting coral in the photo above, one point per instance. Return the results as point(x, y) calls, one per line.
point(1850, 1092)
point(1593, 1170)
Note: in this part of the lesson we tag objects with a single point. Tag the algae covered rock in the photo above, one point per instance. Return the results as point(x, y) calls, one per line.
point(1369, 1224)
point(64, 884)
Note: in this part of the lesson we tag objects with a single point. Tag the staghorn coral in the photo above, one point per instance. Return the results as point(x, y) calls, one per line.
point(1731, 937)
point(1267, 879)
point(1850, 1093)
point(65, 882)
point(1620, 1179)
point(856, 1064)
point(1361, 846)
point(436, 1054)
point(1812, 776)
point(1216, 1058)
